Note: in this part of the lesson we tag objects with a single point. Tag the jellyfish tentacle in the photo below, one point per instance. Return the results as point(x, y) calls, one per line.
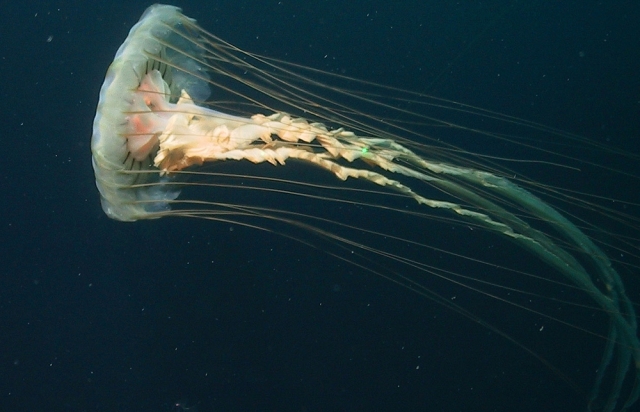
point(279, 137)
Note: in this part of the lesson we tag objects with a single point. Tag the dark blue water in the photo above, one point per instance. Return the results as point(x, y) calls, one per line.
point(97, 315)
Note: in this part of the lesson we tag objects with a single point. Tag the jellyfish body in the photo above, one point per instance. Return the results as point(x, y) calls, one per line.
point(153, 127)
point(123, 129)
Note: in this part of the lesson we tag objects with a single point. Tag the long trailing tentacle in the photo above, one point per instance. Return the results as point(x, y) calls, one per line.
point(197, 137)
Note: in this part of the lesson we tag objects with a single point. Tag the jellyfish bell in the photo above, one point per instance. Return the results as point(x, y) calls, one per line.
point(178, 105)
point(135, 101)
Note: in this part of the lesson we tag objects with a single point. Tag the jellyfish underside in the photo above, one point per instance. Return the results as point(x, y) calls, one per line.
point(154, 130)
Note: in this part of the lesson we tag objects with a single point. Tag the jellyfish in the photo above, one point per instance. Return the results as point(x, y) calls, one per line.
point(180, 108)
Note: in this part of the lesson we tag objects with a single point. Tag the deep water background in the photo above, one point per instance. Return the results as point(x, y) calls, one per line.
point(97, 315)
